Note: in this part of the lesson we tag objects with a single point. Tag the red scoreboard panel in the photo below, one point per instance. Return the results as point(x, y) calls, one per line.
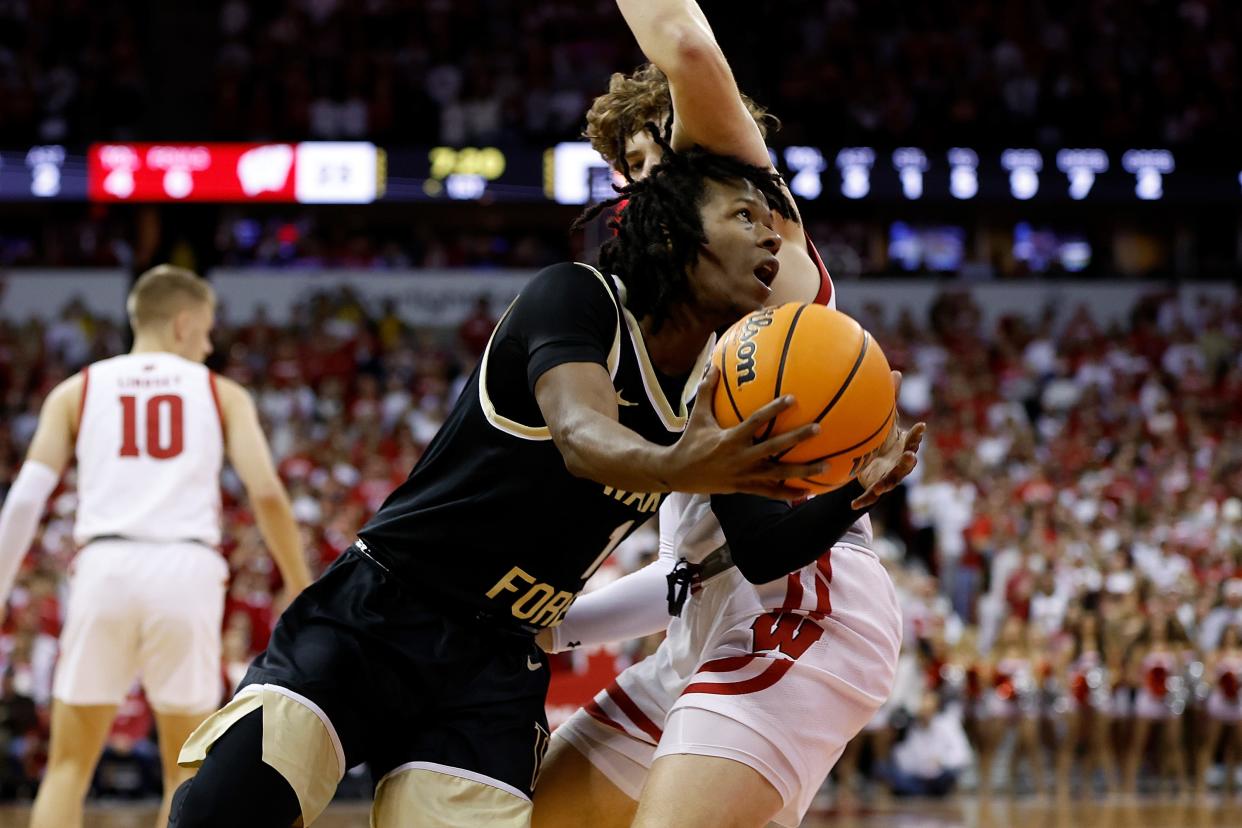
point(309, 172)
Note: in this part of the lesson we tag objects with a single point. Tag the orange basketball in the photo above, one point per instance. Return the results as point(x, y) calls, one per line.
point(836, 372)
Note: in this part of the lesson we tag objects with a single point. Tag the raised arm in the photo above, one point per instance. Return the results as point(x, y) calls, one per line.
point(248, 452)
point(707, 106)
point(708, 111)
point(49, 453)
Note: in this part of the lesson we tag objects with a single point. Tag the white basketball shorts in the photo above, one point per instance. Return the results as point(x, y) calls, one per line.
point(151, 611)
point(777, 690)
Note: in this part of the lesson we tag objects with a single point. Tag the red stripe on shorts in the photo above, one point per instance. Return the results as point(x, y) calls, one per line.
point(638, 717)
point(793, 592)
point(771, 675)
point(823, 601)
point(597, 713)
point(726, 665)
point(824, 564)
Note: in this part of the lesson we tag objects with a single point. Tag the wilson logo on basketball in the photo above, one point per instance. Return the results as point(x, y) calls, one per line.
point(834, 370)
point(745, 365)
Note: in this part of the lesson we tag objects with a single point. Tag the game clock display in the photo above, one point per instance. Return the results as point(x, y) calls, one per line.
point(359, 172)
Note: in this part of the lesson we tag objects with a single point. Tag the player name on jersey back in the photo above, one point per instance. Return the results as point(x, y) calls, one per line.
point(150, 446)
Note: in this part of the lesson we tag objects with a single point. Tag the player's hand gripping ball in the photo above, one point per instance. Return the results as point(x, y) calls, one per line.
point(836, 372)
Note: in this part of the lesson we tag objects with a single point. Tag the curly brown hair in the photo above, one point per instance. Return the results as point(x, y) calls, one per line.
point(639, 98)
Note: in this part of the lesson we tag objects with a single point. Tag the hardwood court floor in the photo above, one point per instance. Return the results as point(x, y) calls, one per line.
point(957, 812)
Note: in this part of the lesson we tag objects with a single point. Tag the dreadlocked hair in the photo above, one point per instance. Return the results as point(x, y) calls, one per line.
point(659, 229)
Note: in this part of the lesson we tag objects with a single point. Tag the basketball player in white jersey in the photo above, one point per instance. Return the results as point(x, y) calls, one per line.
point(150, 430)
point(764, 677)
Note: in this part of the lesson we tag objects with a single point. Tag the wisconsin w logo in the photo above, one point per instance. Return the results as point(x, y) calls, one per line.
point(785, 633)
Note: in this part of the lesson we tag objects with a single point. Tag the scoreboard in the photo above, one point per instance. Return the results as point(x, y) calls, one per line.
point(357, 172)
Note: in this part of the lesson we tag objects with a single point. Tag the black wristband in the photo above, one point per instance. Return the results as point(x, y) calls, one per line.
point(770, 538)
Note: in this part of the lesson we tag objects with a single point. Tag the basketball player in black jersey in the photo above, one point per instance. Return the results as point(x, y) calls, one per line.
point(415, 651)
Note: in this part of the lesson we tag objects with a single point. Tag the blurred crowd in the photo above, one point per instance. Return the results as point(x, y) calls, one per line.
point(305, 238)
point(488, 71)
point(309, 239)
point(1069, 550)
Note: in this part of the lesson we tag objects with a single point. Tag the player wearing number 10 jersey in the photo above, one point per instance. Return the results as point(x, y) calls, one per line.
point(150, 430)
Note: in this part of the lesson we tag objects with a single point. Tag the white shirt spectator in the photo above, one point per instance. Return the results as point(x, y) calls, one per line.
point(907, 684)
point(916, 393)
point(1004, 563)
point(395, 405)
point(948, 507)
point(1151, 395)
point(928, 751)
point(1060, 394)
point(930, 358)
point(1120, 583)
point(1215, 623)
point(1166, 569)
point(991, 448)
point(1094, 373)
point(1040, 357)
point(1182, 355)
point(1087, 578)
point(1048, 610)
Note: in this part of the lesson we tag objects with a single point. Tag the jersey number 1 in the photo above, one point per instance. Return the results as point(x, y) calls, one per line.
point(161, 444)
point(614, 540)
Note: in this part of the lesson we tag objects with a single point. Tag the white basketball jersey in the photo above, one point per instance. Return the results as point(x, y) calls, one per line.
point(150, 445)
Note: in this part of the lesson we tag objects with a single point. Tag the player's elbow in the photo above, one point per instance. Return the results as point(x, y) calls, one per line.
point(576, 461)
point(691, 51)
point(268, 496)
point(565, 432)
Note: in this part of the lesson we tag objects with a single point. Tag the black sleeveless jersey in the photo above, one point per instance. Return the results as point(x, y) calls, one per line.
point(490, 518)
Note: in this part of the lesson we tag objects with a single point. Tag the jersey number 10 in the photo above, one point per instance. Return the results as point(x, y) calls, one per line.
point(161, 444)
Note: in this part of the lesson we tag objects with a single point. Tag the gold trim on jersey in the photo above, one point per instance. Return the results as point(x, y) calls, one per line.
point(513, 427)
point(672, 420)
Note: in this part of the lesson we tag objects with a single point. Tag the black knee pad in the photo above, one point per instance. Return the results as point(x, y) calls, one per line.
point(234, 788)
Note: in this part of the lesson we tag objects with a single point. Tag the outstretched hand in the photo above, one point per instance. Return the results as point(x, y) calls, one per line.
point(892, 461)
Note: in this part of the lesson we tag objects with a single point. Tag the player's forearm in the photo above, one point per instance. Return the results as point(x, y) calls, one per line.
point(630, 607)
point(673, 34)
point(601, 449)
point(19, 519)
point(280, 532)
point(768, 539)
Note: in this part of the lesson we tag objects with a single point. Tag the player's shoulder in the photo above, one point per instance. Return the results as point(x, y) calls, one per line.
point(569, 290)
point(230, 392)
point(576, 277)
point(68, 391)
